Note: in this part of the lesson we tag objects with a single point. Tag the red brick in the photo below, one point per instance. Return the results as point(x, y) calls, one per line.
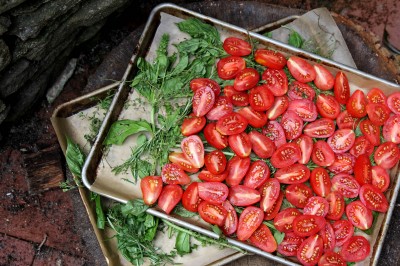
point(50, 257)
point(15, 252)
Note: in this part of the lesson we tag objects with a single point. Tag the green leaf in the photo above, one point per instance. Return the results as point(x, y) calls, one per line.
point(101, 220)
point(122, 129)
point(182, 243)
point(198, 29)
point(295, 39)
point(75, 158)
point(151, 224)
point(135, 207)
point(268, 34)
point(216, 229)
point(279, 236)
point(183, 63)
point(181, 211)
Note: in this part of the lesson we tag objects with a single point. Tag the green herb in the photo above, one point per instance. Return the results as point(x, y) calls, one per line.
point(182, 212)
point(121, 129)
point(295, 39)
point(350, 200)
point(182, 243)
point(268, 34)
point(216, 230)
point(101, 220)
point(279, 236)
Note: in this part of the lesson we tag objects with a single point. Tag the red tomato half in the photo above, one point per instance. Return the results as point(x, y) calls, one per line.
point(311, 250)
point(236, 46)
point(323, 79)
point(320, 181)
point(212, 214)
point(207, 176)
point(269, 191)
point(237, 98)
point(293, 174)
point(344, 163)
point(270, 59)
point(357, 104)
point(290, 244)
point(286, 155)
point(391, 129)
point(341, 88)
point(269, 215)
point(328, 106)
point(359, 215)
point(192, 125)
point(173, 174)
point(214, 138)
point(361, 146)
point(331, 258)
point(298, 91)
point(190, 198)
point(257, 175)
point(151, 187)
point(322, 154)
point(320, 128)
point(373, 198)
point(193, 149)
point(370, 131)
point(243, 196)
point(328, 237)
point(298, 194)
point(231, 221)
point(300, 69)
point(203, 101)
point(304, 108)
point(274, 131)
point(292, 125)
point(213, 192)
point(346, 185)
point(246, 79)
point(344, 230)
point(378, 113)
point(276, 81)
point(393, 102)
point(254, 118)
point(237, 168)
point(363, 170)
point(240, 144)
point(387, 155)
point(249, 220)
point(380, 178)
point(222, 106)
point(375, 95)
point(316, 206)
point(261, 98)
point(305, 143)
point(230, 66)
point(336, 205)
point(169, 197)
point(261, 145)
point(308, 225)
point(283, 221)
point(263, 239)
point(198, 83)
point(345, 120)
point(281, 103)
point(231, 124)
point(215, 162)
point(179, 159)
point(341, 140)
point(357, 248)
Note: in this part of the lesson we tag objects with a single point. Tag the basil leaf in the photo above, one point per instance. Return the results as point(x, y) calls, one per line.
point(135, 207)
point(151, 224)
point(295, 39)
point(179, 210)
point(75, 158)
point(101, 220)
point(279, 236)
point(182, 243)
point(216, 229)
point(122, 129)
point(268, 34)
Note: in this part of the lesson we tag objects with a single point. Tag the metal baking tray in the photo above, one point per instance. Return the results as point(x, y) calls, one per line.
point(358, 80)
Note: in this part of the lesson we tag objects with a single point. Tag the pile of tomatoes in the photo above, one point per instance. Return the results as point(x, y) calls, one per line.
point(308, 141)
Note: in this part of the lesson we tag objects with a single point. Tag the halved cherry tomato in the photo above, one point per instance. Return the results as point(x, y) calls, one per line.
point(198, 83)
point(320, 181)
point(300, 69)
point(346, 185)
point(328, 237)
point(345, 120)
point(357, 104)
point(387, 155)
point(308, 225)
point(214, 138)
point(261, 145)
point(375, 95)
point(304, 108)
point(311, 250)
point(263, 239)
point(213, 192)
point(287, 154)
point(292, 125)
point(305, 143)
point(293, 174)
point(269, 215)
point(359, 215)
point(236, 46)
point(192, 125)
point(344, 163)
point(378, 113)
point(261, 98)
point(316, 206)
point(298, 194)
point(298, 91)
point(254, 118)
point(203, 101)
point(370, 131)
point(380, 178)
point(391, 129)
point(193, 149)
point(373, 198)
point(276, 81)
point(361, 146)
point(290, 244)
point(320, 128)
point(243, 196)
point(336, 205)
point(393, 102)
point(240, 144)
point(341, 140)
point(363, 170)
point(343, 231)
point(211, 213)
point(274, 131)
point(229, 67)
point(269, 191)
point(237, 98)
point(151, 187)
point(222, 106)
point(231, 221)
point(328, 106)
point(281, 103)
point(357, 248)
point(283, 221)
point(207, 176)
point(341, 88)
point(231, 124)
point(180, 159)
point(249, 220)
point(169, 197)
point(172, 174)
point(257, 175)
point(215, 162)
point(270, 59)
point(331, 258)
point(323, 79)
point(322, 154)
point(190, 197)
point(237, 168)
point(246, 79)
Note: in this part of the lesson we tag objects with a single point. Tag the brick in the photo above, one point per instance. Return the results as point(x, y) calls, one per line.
point(50, 257)
point(15, 252)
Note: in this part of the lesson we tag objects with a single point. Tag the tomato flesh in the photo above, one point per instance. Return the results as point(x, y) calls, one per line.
point(344, 163)
point(376, 95)
point(215, 162)
point(336, 205)
point(249, 220)
point(346, 185)
point(261, 98)
point(151, 187)
point(198, 83)
point(328, 106)
point(214, 138)
point(380, 178)
point(192, 125)
point(190, 197)
point(283, 221)
point(269, 58)
point(257, 174)
point(357, 104)
point(320, 128)
point(387, 155)
point(341, 140)
point(236, 46)
point(343, 231)
point(276, 81)
point(373, 198)
point(274, 131)
point(363, 170)
point(231, 220)
point(243, 196)
point(212, 213)
point(300, 69)
point(316, 206)
point(310, 251)
point(237, 168)
point(304, 108)
point(237, 98)
point(322, 154)
point(173, 174)
point(320, 181)
point(393, 102)
point(286, 155)
point(391, 129)
point(331, 258)
point(230, 66)
point(231, 124)
point(203, 101)
point(290, 244)
point(323, 79)
point(193, 149)
point(293, 174)
point(261, 145)
point(280, 105)
point(357, 248)
point(359, 215)
point(222, 106)
point(254, 118)
point(179, 159)
point(213, 192)
point(263, 239)
point(240, 144)
point(269, 192)
point(246, 79)
point(298, 194)
point(328, 237)
point(169, 197)
point(298, 90)
point(341, 88)
point(292, 125)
